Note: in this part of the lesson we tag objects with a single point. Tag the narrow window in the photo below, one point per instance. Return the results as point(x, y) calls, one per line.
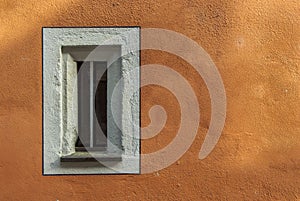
point(92, 106)
point(90, 116)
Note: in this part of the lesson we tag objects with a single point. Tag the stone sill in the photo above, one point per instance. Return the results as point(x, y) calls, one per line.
point(84, 156)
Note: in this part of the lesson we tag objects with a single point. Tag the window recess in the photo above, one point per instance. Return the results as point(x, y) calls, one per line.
point(88, 102)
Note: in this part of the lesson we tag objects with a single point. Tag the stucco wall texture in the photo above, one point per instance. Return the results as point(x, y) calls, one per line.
point(256, 47)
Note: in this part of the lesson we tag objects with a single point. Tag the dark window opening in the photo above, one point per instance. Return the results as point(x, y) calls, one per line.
point(92, 106)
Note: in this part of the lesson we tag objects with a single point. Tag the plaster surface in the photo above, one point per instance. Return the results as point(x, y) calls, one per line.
point(256, 47)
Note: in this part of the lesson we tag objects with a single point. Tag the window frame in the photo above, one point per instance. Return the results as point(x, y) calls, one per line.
point(54, 125)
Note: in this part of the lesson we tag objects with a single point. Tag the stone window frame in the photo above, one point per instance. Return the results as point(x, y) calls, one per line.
point(58, 126)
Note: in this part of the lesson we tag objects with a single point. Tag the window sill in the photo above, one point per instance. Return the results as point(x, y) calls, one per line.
point(95, 157)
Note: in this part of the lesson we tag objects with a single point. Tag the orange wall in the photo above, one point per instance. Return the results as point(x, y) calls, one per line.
point(256, 46)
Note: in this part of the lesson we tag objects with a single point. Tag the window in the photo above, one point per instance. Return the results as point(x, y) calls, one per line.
point(92, 94)
point(90, 109)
